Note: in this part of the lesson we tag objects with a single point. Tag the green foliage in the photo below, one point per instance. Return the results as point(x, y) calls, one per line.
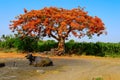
point(98, 78)
point(31, 44)
point(46, 45)
point(96, 49)
point(7, 41)
point(27, 44)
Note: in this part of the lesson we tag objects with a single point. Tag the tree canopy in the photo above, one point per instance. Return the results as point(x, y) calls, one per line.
point(57, 23)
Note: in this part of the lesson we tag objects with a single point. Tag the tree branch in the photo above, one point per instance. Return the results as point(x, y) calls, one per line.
point(68, 32)
point(54, 36)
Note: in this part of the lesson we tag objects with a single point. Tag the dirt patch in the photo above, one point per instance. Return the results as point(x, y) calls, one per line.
point(65, 68)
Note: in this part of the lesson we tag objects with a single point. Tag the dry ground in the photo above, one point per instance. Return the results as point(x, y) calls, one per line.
point(65, 68)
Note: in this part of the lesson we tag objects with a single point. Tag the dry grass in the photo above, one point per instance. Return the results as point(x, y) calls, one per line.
point(12, 55)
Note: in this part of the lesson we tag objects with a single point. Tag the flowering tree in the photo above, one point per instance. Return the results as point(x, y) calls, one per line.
point(57, 23)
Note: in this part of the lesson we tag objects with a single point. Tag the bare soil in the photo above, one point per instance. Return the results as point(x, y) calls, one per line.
point(65, 68)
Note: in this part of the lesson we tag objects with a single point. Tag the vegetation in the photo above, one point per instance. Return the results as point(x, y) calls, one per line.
point(98, 78)
point(57, 23)
point(97, 49)
point(31, 44)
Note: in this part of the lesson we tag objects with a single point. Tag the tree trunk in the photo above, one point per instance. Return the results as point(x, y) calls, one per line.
point(61, 46)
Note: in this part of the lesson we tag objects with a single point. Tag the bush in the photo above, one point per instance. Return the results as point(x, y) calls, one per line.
point(31, 44)
point(96, 49)
point(27, 44)
point(46, 45)
point(7, 41)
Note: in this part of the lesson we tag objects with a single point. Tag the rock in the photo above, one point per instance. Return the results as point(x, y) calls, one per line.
point(2, 64)
point(40, 71)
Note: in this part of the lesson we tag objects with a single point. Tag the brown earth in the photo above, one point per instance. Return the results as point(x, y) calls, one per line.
point(65, 68)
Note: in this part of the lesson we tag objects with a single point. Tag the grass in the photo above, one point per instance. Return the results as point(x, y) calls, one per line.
point(98, 78)
point(113, 55)
point(14, 50)
point(5, 50)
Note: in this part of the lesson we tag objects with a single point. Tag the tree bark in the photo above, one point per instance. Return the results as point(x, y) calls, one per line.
point(61, 46)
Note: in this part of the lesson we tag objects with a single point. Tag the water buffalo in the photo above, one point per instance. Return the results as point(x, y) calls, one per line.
point(38, 61)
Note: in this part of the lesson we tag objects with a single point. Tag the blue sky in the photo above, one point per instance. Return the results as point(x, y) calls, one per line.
point(107, 10)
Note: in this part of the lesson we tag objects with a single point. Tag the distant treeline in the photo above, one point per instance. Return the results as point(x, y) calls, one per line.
point(29, 44)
